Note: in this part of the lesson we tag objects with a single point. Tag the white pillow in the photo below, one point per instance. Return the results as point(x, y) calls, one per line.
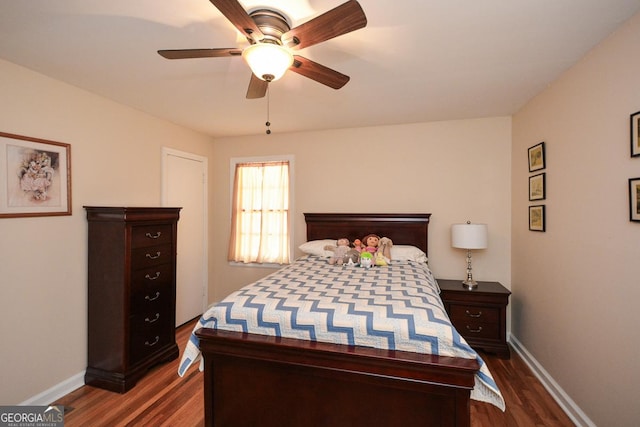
point(407, 253)
point(316, 247)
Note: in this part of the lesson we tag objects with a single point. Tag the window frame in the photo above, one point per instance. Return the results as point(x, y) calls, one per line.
point(234, 161)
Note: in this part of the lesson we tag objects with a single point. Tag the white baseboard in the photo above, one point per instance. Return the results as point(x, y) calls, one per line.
point(570, 407)
point(48, 397)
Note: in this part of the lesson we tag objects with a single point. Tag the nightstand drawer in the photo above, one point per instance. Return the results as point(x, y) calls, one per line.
point(471, 330)
point(475, 314)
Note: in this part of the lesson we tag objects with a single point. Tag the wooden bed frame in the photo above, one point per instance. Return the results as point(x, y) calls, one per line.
point(255, 380)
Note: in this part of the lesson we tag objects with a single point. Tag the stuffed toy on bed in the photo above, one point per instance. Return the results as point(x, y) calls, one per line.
point(366, 260)
point(340, 251)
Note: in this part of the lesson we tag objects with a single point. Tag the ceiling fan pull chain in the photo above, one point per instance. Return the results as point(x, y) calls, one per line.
point(268, 123)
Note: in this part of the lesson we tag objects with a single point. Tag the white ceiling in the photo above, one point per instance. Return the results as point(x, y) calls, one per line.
point(416, 61)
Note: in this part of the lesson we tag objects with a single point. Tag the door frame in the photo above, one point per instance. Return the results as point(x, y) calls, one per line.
point(166, 152)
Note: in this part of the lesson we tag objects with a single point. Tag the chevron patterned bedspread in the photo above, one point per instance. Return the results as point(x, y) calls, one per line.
point(396, 307)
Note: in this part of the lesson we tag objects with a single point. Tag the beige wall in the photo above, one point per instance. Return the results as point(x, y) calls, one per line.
point(457, 170)
point(576, 287)
point(115, 156)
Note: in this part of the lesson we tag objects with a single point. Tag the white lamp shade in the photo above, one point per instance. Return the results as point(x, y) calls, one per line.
point(469, 236)
point(268, 59)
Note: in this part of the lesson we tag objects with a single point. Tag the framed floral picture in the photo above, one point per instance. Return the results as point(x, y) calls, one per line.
point(536, 157)
point(634, 199)
point(537, 187)
point(537, 218)
point(635, 134)
point(35, 177)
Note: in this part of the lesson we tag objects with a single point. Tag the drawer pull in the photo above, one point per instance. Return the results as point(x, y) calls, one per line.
point(475, 331)
point(155, 319)
point(151, 344)
point(153, 298)
point(146, 276)
point(154, 236)
point(156, 256)
point(470, 314)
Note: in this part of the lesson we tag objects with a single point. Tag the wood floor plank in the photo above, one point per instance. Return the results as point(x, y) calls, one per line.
point(162, 398)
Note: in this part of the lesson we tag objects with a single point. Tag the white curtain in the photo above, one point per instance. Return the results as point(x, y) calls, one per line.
point(260, 213)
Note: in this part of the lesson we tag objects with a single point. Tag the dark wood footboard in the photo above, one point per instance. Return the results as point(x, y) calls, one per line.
point(255, 380)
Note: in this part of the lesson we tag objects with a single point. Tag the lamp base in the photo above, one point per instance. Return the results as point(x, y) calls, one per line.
point(470, 285)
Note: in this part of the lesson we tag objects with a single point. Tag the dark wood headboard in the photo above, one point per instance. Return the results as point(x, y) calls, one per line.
point(402, 229)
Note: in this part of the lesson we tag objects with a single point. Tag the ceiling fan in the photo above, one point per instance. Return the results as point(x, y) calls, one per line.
point(270, 36)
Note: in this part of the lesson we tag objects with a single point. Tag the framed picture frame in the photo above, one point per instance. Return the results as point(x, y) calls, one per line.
point(536, 157)
point(37, 177)
point(635, 134)
point(537, 218)
point(537, 187)
point(634, 199)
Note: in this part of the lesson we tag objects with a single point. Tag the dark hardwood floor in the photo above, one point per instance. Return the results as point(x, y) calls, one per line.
point(162, 398)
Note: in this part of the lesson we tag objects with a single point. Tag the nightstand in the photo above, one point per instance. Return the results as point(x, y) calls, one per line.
point(480, 315)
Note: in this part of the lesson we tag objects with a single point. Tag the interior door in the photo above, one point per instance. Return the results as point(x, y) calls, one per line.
point(185, 185)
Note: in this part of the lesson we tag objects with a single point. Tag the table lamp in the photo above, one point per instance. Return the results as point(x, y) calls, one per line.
point(469, 236)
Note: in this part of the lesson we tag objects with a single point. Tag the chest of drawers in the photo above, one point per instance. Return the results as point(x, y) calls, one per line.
point(131, 293)
point(479, 315)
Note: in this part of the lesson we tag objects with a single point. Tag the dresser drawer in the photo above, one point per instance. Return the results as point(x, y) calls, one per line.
point(158, 275)
point(151, 235)
point(146, 340)
point(150, 256)
point(153, 297)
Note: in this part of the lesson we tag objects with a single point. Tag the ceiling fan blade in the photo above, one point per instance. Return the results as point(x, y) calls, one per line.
point(239, 17)
point(343, 19)
point(199, 53)
point(257, 88)
point(318, 72)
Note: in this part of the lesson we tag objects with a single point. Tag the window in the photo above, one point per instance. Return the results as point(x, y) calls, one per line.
point(260, 212)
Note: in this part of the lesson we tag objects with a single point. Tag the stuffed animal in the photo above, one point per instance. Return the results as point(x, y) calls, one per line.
point(384, 245)
point(352, 257)
point(357, 245)
point(366, 260)
point(380, 260)
point(339, 251)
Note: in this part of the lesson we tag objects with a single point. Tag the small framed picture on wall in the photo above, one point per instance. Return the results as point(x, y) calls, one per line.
point(536, 218)
point(634, 199)
point(635, 134)
point(536, 157)
point(537, 187)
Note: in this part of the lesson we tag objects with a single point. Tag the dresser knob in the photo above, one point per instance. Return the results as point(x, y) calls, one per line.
point(470, 314)
point(475, 331)
point(154, 236)
point(151, 344)
point(153, 298)
point(155, 319)
point(146, 276)
point(156, 256)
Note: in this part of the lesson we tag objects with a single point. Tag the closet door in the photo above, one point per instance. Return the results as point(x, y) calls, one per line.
point(185, 185)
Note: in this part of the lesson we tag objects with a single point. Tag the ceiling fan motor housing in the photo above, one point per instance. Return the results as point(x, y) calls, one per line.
point(272, 24)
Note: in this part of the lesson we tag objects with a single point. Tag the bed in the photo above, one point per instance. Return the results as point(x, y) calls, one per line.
point(259, 379)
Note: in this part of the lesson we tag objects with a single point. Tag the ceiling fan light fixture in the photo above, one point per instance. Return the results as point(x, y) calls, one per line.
point(268, 61)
